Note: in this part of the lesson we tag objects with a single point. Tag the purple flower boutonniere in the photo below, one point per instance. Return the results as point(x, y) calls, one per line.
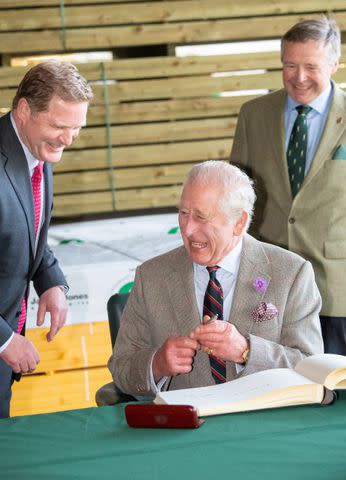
point(260, 284)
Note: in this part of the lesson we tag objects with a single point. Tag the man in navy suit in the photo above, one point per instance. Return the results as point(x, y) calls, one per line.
point(48, 111)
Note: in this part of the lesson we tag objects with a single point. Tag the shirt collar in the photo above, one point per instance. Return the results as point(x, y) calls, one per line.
point(230, 262)
point(320, 103)
point(32, 161)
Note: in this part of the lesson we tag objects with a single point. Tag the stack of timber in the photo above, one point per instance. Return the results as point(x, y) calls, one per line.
point(152, 118)
point(71, 369)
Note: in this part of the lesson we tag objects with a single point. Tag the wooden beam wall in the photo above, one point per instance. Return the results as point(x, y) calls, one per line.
point(162, 113)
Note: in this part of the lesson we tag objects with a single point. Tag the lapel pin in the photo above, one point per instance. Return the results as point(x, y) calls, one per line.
point(260, 284)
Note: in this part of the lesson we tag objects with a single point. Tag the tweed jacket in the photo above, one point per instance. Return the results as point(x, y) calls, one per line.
point(163, 304)
point(313, 224)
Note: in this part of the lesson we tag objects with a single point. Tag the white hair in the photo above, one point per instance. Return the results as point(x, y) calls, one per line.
point(236, 188)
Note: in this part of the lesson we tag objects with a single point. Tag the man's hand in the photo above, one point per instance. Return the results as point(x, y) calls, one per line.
point(53, 301)
point(220, 338)
point(20, 354)
point(174, 357)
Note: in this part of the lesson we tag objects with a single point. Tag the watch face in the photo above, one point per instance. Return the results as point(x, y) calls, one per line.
point(245, 354)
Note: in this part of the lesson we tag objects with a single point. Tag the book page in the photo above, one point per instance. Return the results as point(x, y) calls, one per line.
point(319, 367)
point(239, 390)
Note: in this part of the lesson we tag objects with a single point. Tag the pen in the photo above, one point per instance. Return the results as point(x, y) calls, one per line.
point(212, 319)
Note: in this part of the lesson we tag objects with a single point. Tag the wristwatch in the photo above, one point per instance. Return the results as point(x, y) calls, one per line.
point(245, 354)
point(64, 289)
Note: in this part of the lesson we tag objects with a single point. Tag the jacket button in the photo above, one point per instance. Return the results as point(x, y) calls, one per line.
point(291, 220)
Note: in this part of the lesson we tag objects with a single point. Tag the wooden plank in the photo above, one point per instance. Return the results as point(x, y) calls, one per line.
point(57, 392)
point(175, 88)
point(157, 132)
point(153, 34)
point(185, 87)
point(75, 346)
point(186, 32)
point(27, 42)
point(132, 199)
point(141, 155)
point(123, 178)
point(152, 67)
point(159, 67)
point(150, 12)
point(237, 8)
point(151, 111)
point(48, 3)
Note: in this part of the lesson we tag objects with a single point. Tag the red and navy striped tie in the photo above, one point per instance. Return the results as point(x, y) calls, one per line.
point(213, 305)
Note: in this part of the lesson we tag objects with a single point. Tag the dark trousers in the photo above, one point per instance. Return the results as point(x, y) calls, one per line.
point(334, 334)
point(5, 389)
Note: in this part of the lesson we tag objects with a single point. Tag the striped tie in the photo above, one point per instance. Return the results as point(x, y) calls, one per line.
point(213, 305)
point(36, 181)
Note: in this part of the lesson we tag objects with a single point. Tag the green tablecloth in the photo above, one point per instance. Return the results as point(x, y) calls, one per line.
point(290, 443)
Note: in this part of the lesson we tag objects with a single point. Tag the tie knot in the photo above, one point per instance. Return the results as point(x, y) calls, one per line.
point(212, 270)
point(37, 173)
point(303, 109)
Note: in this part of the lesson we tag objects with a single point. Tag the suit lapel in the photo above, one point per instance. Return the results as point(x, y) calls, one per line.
point(334, 127)
point(20, 178)
point(181, 291)
point(253, 264)
point(276, 135)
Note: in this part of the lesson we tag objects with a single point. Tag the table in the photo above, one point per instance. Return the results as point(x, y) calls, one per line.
point(305, 442)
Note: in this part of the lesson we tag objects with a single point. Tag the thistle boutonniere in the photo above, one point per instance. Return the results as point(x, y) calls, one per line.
point(260, 284)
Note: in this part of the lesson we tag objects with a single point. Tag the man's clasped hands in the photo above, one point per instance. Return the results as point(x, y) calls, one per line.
point(218, 338)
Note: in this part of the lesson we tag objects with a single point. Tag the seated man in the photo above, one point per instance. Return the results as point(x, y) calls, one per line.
point(265, 298)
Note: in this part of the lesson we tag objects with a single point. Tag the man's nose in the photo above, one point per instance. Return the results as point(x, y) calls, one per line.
point(189, 227)
point(68, 136)
point(301, 74)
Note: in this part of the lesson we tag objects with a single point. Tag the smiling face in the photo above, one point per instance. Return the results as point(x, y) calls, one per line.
point(47, 133)
point(306, 69)
point(207, 234)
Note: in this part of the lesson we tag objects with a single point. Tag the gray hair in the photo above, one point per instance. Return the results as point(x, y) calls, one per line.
point(235, 187)
point(321, 30)
point(50, 78)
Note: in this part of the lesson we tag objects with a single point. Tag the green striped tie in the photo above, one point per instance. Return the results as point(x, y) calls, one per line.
point(296, 151)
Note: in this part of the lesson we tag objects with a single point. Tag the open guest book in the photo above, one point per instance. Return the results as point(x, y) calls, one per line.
point(311, 381)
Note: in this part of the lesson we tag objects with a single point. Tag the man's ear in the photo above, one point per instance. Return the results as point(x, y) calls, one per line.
point(23, 110)
point(335, 67)
point(240, 224)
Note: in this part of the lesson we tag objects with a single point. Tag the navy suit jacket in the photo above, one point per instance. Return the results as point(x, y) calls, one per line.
point(18, 262)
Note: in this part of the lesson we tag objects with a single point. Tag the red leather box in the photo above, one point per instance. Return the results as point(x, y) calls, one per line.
point(140, 415)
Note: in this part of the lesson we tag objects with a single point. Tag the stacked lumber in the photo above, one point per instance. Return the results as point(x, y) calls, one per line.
point(71, 369)
point(75, 25)
point(152, 118)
